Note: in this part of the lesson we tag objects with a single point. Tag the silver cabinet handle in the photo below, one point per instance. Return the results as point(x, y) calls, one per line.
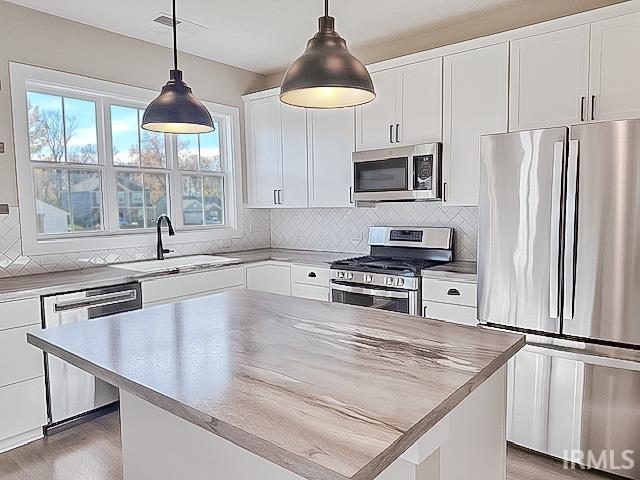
point(390, 133)
point(424, 311)
point(444, 191)
point(350, 194)
point(275, 197)
point(570, 228)
point(583, 101)
point(555, 231)
point(279, 197)
point(397, 133)
point(593, 107)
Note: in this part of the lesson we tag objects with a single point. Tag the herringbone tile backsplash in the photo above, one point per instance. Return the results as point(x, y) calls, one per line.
point(346, 229)
point(328, 229)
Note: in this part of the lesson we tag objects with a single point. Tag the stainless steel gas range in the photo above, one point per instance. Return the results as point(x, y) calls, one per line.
point(389, 277)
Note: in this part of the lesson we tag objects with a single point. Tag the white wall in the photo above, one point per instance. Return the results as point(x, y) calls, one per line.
point(36, 38)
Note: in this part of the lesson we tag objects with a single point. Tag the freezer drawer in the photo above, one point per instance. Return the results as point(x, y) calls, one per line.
point(567, 405)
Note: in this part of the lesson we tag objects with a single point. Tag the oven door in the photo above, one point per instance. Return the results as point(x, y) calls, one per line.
point(403, 301)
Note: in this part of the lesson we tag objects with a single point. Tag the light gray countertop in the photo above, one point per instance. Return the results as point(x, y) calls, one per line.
point(27, 286)
point(328, 391)
point(455, 271)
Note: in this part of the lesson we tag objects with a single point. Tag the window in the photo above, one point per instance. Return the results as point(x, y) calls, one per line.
point(88, 173)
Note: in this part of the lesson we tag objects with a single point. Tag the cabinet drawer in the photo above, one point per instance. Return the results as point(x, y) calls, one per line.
point(310, 275)
point(23, 407)
point(312, 292)
point(444, 291)
point(450, 313)
point(19, 313)
point(19, 360)
point(178, 286)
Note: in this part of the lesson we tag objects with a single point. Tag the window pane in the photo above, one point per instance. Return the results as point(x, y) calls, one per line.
point(152, 146)
point(80, 130)
point(131, 210)
point(46, 129)
point(155, 192)
point(192, 200)
point(187, 152)
point(52, 200)
point(210, 150)
point(213, 200)
point(86, 200)
point(124, 135)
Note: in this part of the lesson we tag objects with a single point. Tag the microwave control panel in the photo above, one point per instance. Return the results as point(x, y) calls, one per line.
point(423, 172)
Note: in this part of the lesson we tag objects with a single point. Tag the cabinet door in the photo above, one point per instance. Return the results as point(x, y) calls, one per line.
point(330, 149)
point(420, 108)
point(615, 69)
point(476, 87)
point(549, 79)
point(270, 278)
point(376, 120)
point(263, 151)
point(294, 157)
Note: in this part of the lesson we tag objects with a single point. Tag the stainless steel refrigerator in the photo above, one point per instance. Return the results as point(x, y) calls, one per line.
point(559, 259)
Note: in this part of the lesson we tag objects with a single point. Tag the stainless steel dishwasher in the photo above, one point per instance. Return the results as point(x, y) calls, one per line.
point(72, 394)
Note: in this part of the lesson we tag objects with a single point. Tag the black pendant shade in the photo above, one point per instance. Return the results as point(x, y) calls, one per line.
point(176, 109)
point(327, 75)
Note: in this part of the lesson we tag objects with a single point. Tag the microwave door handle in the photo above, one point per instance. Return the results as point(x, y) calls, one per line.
point(555, 230)
point(570, 229)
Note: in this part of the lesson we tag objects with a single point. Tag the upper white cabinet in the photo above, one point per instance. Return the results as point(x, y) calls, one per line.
point(276, 153)
point(476, 89)
point(549, 79)
point(615, 69)
point(407, 109)
point(330, 136)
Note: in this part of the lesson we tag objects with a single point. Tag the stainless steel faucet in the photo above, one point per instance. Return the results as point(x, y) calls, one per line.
point(161, 250)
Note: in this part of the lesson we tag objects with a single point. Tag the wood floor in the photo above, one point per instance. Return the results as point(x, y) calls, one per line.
point(91, 451)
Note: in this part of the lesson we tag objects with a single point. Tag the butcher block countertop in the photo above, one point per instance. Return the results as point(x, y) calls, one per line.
point(328, 391)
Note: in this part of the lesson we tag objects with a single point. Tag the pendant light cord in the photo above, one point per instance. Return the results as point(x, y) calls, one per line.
point(175, 37)
point(326, 8)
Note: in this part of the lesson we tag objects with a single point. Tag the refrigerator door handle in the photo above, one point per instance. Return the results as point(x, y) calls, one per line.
point(555, 231)
point(570, 229)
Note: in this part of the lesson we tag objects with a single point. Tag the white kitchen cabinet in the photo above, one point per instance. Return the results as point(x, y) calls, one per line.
point(181, 287)
point(476, 90)
point(20, 313)
point(270, 277)
point(549, 79)
point(407, 109)
point(449, 300)
point(276, 153)
point(615, 69)
point(330, 145)
point(264, 153)
point(18, 359)
point(310, 282)
point(23, 412)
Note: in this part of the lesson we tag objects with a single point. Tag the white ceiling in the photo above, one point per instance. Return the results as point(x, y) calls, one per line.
point(264, 36)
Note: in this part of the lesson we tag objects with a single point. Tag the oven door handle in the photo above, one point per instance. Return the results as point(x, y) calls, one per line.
point(369, 291)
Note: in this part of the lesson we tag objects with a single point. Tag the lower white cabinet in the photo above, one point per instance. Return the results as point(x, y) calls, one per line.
point(23, 408)
point(270, 277)
point(310, 282)
point(23, 412)
point(181, 287)
point(450, 301)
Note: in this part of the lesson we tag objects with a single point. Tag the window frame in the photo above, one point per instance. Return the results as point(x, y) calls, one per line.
point(104, 93)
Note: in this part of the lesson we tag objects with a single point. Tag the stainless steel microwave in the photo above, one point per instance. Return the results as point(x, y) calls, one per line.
point(395, 174)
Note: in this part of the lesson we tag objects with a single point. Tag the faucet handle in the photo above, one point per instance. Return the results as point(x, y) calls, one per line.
point(167, 250)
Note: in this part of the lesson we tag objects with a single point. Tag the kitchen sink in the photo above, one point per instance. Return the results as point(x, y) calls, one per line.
point(177, 263)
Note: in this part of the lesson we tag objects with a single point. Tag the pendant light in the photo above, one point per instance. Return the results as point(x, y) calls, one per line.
point(176, 109)
point(327, 75)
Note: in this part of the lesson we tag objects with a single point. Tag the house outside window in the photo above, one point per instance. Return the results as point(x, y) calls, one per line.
point(89, 174)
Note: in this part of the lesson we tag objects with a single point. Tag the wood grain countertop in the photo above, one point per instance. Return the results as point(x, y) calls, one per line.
point(328, 391)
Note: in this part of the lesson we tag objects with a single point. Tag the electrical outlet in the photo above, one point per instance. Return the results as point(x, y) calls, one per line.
point(1, 147)
point(4, 209)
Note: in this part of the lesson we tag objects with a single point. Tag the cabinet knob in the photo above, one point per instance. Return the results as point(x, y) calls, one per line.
point(454, 292)
point(312, 274)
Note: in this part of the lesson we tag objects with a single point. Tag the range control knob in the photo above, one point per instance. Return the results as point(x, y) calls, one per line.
point(368, 278)
point(388, 280)
point(350, 276)
point(340, 274)
point(399, 282)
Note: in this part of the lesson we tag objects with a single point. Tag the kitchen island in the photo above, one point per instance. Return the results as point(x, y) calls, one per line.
point(244, 385)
